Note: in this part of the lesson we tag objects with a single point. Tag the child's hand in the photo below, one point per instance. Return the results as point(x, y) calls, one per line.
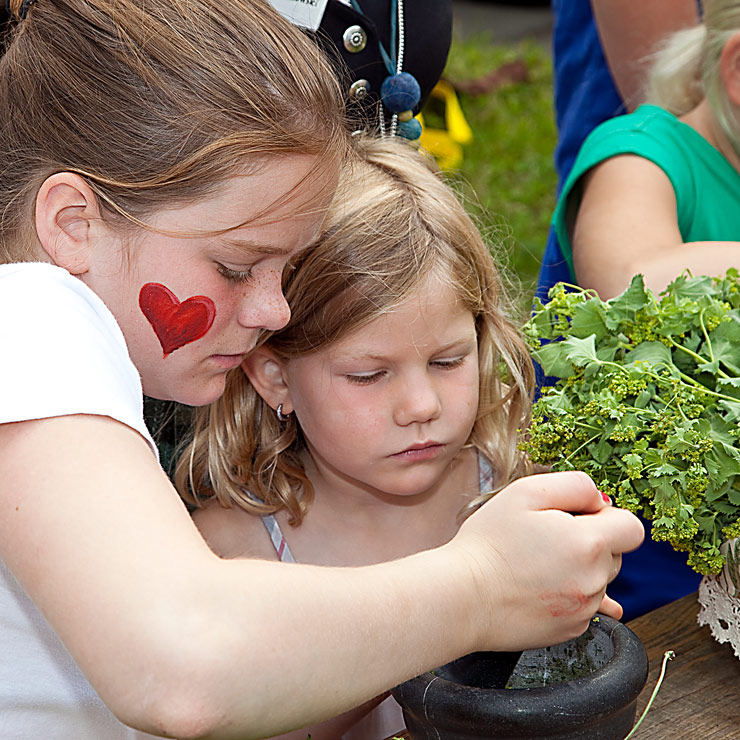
point(542, 572)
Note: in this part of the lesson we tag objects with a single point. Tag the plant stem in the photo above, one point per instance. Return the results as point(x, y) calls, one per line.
point(580, 447)
point(697, 357)
point(668, 655)
point(706, 335)
point(580, 289)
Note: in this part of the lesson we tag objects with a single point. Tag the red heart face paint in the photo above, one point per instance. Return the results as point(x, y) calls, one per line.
point(175, 324)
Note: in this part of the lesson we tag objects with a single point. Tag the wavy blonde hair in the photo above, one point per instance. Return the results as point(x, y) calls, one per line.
point(393, 223)
point(686, 68)
point(154, 103)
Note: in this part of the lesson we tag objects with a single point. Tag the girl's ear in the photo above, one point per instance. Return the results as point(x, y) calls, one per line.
point(67, 220)
point(729, 68)
point(265, 372)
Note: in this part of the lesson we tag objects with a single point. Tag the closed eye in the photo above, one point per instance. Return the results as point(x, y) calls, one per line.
point(449, 363)
point(236, 276)
point(365, 378)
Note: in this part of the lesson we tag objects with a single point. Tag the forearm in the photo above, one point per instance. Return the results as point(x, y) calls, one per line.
point(244, 649)
point(299, 645)
point(336, 637)
point(179, 642)
point(699, 258)
point(334, 728)
point(659, 266)
point(630, 31)
point(627, 224)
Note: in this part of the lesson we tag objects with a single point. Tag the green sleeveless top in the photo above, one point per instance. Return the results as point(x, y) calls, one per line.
point(707, 186)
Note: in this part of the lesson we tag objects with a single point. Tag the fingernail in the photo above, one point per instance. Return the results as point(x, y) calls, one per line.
point(607, 500)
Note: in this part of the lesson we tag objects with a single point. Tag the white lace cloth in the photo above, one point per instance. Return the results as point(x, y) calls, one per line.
point(719, 597)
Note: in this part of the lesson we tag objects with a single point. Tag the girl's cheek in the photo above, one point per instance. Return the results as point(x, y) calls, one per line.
point(174, 322)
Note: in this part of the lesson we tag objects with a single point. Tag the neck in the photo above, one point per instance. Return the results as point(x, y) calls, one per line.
point(349, 500)
point(351, 526)
point(703, 120)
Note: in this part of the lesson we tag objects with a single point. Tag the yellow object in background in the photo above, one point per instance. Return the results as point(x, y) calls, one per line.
point(445, 145)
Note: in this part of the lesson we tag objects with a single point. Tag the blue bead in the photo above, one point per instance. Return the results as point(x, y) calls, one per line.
point(409, 129)
point(400, 92)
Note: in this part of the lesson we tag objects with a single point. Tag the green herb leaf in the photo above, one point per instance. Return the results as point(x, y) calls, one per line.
point(648, 403)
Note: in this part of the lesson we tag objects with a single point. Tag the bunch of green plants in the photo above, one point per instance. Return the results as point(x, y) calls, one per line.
point(647, 403)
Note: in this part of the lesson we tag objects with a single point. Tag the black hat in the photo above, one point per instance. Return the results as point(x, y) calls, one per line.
point(353, 40)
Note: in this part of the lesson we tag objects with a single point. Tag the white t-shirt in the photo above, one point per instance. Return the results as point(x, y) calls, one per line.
point(61, 352)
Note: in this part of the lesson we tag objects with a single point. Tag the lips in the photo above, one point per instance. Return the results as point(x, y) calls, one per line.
point(228, 361)
point(241, 353)
point(422, 446)
point(420, 451)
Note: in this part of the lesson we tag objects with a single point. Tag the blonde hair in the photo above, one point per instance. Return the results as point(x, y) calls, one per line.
point(153, 102)
point(687, 67)
point(393, 223)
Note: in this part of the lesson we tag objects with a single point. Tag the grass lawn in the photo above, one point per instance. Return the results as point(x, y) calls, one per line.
point(507, 177)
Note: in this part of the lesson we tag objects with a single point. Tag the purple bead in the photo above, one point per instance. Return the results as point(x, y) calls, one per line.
point(400, 92)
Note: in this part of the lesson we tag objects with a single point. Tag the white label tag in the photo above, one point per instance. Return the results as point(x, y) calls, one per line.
point(303, 13)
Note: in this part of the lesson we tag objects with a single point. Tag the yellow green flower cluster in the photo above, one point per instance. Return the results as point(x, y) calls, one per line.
point(647, 401)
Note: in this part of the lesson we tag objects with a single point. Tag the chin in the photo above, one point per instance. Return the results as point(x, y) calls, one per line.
point(191, 394)
point(205, 396)
point(411, 489)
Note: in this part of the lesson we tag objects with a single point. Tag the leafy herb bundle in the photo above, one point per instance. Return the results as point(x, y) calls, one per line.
point(648, 403)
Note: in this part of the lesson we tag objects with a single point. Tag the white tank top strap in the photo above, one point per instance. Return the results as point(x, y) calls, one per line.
point(278, 539)
point(486, 476)
point(276, 534)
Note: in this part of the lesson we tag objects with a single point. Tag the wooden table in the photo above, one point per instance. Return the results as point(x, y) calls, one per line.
point(700, 695)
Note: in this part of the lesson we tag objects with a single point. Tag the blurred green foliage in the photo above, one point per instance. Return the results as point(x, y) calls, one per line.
point(507, 177)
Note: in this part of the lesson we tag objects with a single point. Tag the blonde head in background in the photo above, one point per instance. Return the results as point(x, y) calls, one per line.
point(688, 68)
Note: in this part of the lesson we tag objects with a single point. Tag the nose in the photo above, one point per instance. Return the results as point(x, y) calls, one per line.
point(263, 305)
point(419, 401)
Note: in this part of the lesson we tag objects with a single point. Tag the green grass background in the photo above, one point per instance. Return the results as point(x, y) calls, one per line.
point(507, 177)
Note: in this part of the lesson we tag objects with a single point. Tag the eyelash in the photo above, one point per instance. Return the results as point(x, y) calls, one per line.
point(450, 364)
point(364, 379)
point(236, 276)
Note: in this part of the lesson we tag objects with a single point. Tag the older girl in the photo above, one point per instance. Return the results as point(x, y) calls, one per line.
point(161, 161)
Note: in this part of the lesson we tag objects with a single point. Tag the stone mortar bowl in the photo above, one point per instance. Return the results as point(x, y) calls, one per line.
point(583, 689)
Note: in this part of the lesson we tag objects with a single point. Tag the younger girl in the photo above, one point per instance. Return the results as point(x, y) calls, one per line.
point(390, 401)
point(161, 160)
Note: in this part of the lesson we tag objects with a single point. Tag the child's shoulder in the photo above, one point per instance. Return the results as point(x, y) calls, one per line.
point(233, 533)
point(644, 116)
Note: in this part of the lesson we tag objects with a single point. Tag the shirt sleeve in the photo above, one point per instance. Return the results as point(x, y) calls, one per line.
point(63, 352)
point(650, 133)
